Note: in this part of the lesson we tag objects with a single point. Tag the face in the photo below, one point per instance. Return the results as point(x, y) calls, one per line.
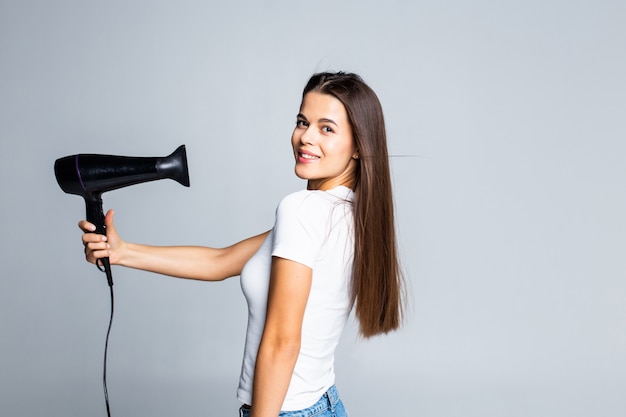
point(322, 142)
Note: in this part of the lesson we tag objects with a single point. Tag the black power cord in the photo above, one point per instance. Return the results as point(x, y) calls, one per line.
point(107, 269)
point(106, 349)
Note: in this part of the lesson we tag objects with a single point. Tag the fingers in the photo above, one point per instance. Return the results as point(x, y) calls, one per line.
point(94, 240)
point(96, 246)
point(86, 227)
point(99, 246)
point(92, 256)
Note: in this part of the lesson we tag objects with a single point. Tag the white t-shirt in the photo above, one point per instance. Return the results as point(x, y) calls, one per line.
point(314, 228)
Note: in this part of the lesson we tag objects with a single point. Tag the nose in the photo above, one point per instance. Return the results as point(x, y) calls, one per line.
point(307, 137)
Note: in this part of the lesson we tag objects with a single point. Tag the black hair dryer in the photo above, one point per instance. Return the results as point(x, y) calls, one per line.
point(89, 175)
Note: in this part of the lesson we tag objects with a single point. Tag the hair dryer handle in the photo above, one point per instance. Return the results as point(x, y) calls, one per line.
point(95, 215)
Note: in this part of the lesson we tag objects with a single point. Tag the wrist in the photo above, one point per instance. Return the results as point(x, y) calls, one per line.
point(122, 255)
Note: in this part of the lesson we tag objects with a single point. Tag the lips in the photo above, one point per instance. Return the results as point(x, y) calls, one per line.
point(304, 156)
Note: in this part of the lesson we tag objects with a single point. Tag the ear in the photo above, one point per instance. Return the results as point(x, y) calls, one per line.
point(355, 155)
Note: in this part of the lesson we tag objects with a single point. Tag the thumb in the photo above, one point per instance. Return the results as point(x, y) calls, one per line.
point(108, 222)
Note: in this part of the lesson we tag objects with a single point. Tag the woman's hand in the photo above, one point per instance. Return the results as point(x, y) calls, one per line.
point(99, 246)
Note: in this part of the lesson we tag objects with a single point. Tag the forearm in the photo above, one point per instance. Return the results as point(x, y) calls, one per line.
point(272, 375)
point(191, 262)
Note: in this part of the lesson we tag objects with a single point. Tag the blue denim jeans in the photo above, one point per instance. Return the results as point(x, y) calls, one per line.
point(329, 405)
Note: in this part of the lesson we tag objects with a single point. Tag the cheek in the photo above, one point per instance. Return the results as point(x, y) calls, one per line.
point(345, 150)
point(294, 140)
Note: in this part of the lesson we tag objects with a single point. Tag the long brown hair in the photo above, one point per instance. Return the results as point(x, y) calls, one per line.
point(377, 283)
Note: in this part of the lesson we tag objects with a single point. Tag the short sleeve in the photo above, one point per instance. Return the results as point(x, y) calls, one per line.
point(300, 227)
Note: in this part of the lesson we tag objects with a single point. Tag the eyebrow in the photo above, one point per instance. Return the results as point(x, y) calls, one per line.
point(322, 120)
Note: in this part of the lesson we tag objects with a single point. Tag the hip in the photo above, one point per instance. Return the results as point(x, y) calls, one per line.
point(329, 405)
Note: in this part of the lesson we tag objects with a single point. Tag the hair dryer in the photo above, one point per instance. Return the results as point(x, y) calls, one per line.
point(89, 175)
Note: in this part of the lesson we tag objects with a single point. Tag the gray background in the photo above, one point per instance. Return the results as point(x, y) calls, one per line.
point(506, 122)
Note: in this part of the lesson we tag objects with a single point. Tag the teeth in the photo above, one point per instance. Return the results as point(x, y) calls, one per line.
point(307, 156)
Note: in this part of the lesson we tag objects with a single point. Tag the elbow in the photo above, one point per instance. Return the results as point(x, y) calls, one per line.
point(280, 349)
point(290, 350)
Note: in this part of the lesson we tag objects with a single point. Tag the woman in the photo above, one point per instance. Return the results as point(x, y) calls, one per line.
point(332, 247)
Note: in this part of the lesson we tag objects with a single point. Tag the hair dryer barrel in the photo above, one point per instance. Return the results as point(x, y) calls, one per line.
point(89, 174)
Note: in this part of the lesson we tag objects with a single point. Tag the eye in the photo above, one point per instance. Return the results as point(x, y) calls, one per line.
point(302, 123)
point(327, 129)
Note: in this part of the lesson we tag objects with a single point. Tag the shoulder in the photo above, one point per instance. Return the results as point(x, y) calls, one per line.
point(313, 202)
point(302, 198)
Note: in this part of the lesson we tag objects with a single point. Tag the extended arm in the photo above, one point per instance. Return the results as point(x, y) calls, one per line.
point(290, 285)
point(192, 262)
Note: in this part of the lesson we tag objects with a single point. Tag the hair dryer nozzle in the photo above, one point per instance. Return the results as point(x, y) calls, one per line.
point(174, 166)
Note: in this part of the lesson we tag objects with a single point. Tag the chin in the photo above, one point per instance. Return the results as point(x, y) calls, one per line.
point(301, 174)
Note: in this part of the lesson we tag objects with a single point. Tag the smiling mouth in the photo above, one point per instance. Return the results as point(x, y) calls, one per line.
point(307, 156)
